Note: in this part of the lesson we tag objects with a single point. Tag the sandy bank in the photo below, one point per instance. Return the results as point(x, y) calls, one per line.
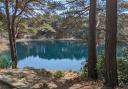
point(46, 39)
point(3, 47)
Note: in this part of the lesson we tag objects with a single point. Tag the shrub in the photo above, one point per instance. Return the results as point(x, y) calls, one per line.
point(32, 30)
point(100, 66)
point(123, 68)
point(59, 74)
point(83, 71)
point(45, 86)
point(4, 61)
point(122, 64)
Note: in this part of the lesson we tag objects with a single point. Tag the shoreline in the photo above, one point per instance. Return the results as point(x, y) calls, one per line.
point(4, 42)
point(43, 39)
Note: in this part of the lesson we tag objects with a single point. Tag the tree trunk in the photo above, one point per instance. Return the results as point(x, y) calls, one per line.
point(110, 44)
point(11, 33)
point(12, 49)
point(14, 60)
point(92, 58)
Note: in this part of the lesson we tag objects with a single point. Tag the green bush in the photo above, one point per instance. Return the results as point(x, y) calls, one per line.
point(100, 66)
point(32, 30)
point(83, 71)
point(59, 74)
point(45, 86)
point(47, 27)
point(122, 64)
point(4, 61)
point(123, 68)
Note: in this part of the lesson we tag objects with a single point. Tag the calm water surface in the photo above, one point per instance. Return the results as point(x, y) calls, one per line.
point(56, 55)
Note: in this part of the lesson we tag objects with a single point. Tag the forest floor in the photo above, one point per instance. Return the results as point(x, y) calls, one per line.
point(30, 78)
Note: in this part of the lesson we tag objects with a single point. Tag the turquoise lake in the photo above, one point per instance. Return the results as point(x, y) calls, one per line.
point(56, 55)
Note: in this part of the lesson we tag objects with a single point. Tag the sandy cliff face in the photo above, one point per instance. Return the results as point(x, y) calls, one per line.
point(3, 46)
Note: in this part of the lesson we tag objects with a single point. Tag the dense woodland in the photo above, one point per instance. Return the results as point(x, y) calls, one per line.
point(94, 21)
point(59, 22)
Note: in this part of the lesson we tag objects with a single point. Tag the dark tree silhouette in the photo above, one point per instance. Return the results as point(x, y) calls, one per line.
point(92, 72)
point(110, 44)
point(10, 27)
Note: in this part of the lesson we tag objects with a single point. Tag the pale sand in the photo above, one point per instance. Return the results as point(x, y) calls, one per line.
point(3, 47)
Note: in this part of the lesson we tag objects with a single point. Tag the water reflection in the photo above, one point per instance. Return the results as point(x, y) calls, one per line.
point(56, 55)
point(52, 50)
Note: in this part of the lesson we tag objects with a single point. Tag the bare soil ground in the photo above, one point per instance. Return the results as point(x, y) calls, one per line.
point(29, 78)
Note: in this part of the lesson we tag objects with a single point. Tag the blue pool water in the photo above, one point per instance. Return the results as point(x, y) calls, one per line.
point(56, 55)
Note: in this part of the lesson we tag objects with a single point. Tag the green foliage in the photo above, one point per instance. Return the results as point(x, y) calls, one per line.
point(84, 72)
point(9, 73)
point(32, 30)
point(45, 86)
point(47, 27)
point(4, 61)
point(122, 64)
point(59, 74)
point(22, 27)
point(123, 68)
point(1, 27)
point(21, 75)
point(100, 66)
point(126, 53)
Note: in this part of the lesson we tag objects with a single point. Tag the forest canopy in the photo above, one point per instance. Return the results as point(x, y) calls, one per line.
point(63, 19)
